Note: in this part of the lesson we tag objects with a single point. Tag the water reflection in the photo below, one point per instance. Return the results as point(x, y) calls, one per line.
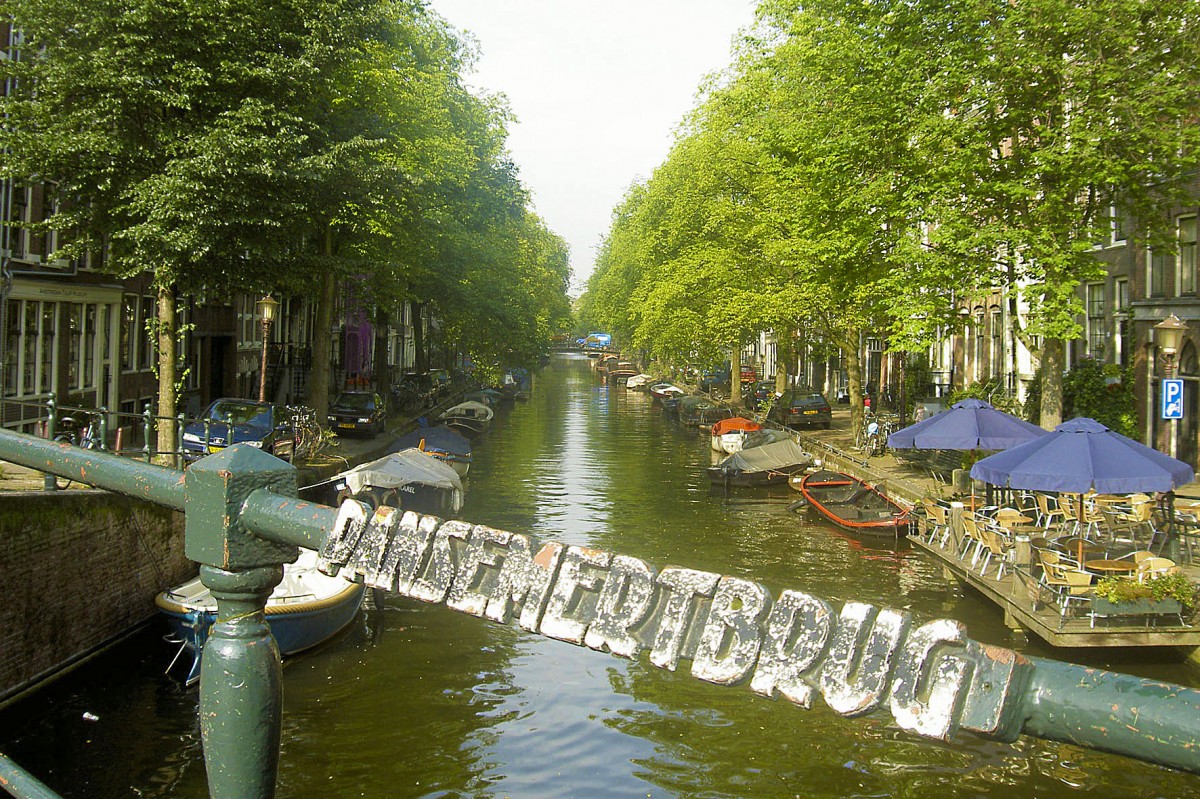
point(420, 701)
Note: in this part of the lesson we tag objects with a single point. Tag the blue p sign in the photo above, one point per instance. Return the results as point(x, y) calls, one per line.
point(1172, 398)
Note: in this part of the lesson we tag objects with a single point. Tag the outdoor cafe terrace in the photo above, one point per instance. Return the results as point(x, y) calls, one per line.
point(1049, 558)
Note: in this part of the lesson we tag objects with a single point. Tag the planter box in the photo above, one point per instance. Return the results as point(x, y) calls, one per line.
point(1136, 607)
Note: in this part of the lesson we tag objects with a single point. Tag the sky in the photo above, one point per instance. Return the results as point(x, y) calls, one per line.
point(598, 88)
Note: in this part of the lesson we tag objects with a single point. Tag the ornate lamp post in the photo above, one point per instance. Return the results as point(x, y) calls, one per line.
point(1168, 333)
point(267, 307)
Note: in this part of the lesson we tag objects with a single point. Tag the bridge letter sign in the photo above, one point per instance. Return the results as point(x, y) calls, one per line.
point(1172, 398)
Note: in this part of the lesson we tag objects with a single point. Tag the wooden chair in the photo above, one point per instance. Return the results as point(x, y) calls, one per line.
point(972, 540)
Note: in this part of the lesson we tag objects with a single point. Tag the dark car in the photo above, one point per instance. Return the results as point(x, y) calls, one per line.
point(801, 406)
point(759, 392)
point(714, 379)
point(358, 412)
point(239, 421)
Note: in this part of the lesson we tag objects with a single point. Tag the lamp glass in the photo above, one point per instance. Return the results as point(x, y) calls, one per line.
point(267, 307)
point(1168, 332)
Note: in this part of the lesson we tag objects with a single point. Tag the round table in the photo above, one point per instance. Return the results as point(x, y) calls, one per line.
point(1110, 566)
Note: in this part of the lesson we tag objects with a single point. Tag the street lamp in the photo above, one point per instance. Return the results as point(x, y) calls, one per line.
point(266, 309)
point(1168, 333)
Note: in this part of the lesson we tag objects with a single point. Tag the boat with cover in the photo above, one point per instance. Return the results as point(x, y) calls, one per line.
point(699, 410)
point(307, 608)
point(640, 382)
point(469, 418)
point(409, 479)
point(767, 465)
point(664, 391)
point(852, 504)
point(448, 446)
point(728, 435)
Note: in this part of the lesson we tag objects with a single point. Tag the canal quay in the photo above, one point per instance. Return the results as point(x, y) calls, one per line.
point(416, 700)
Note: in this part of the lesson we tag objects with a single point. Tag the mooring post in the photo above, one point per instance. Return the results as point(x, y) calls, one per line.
point(241, 683)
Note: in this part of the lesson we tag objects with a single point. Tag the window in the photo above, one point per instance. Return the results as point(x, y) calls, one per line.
point(1187, 255)
point(1096, 337)
point(1116, 225)
point(1156, 279)
point(129, 332)
point(12, 324)
point(148, 348)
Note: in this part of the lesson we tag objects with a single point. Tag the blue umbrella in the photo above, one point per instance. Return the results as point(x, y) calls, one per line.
point(1082, 455)
point(970, 424)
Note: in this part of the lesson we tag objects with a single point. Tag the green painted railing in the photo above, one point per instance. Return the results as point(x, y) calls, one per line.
point(244, 521)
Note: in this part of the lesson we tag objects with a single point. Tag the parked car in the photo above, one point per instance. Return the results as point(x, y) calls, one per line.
point(358, 412)
point(760, 392)
point(801, 406)
point(714, 379)
point(239, 421)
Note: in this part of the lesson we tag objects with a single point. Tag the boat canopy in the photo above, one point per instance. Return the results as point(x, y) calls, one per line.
point(434, 439)
point(406, 467)
point(735, 424)
point(768, 457)
point(756, 438)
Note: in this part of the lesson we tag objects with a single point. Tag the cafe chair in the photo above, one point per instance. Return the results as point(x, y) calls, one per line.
point(1071, 588)
point(972, 538)
point(996, 543)
point(1048, 511)
point(937, 522)
point(1149, 568)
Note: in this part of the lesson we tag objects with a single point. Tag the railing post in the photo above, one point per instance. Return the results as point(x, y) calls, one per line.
point(179, 425)
point(241, 694)
point(147, 431)
point(103, 428)
point(51, 416)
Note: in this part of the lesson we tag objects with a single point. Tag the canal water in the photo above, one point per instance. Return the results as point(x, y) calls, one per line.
point(421, 701)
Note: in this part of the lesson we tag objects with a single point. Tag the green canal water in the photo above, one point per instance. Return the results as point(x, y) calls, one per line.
point(421, 701)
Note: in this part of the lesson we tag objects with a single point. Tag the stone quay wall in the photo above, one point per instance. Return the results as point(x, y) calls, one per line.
point(79, 570)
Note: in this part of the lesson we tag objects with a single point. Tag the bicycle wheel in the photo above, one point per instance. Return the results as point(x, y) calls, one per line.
point(62, 483)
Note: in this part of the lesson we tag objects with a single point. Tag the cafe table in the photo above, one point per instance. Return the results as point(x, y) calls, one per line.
point(1107, 566)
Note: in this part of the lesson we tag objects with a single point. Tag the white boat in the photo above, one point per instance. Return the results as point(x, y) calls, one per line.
point(729, 435)
point(469, 418)
point(305, 609)
point(639, 381)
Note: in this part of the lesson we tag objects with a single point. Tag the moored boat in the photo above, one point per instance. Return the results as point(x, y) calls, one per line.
point(640, 382)
point(664, 391)
point(469, 418)
point(768, 465)
point(728, 435)
point(619, 375)
point(852, 504)
point(448, 446)
point(305, 609)
point(409, 480)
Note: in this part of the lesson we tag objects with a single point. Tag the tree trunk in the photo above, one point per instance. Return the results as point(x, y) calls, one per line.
point(853, 379)
point(322, 337)
point(1052, 383)
point(785, 354)
point(383, 372)
point(167, 443)
point(735, 377)
point(422, 358)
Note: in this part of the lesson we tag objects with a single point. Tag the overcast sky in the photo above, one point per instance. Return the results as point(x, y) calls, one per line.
point(598, 88)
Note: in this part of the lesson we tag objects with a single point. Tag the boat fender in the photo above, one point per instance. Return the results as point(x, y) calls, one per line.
point(799, 504)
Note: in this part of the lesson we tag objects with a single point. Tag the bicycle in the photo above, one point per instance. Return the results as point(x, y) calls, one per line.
point(309, 438)
point(78, 430)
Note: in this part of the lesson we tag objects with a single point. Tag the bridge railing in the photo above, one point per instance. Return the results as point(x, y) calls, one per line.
point(244, 521)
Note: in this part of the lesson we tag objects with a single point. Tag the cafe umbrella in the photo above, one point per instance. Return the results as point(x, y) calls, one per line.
point(969, 424)
point(1082, 455)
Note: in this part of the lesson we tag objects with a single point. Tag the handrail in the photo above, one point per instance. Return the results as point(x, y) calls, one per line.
point(20, 783)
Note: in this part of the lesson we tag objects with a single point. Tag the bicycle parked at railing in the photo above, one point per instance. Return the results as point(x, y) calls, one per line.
point(308, 436)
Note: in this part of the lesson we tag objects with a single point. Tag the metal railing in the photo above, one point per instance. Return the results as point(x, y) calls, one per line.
point(243, 522)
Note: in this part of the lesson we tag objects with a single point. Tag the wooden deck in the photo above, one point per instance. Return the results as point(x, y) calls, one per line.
point(1015, 593)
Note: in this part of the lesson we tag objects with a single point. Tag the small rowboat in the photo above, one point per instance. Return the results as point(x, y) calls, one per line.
point(306, 609)
point(728, 435)
point(852, 504)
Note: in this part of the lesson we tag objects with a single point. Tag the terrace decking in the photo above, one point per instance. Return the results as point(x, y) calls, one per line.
point(1016, 591)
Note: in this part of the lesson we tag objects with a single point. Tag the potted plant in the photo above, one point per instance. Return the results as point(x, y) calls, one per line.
point(1120, 596)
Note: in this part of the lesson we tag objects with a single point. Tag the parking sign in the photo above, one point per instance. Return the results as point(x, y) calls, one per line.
point(1172, 398)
